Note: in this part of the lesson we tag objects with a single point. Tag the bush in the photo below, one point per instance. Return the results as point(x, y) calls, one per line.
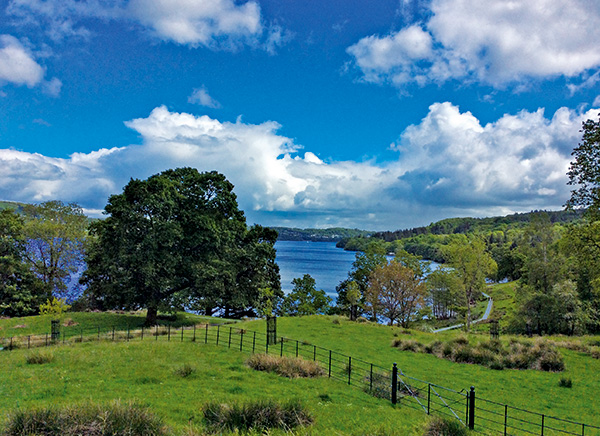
point(259, 416)
point(39, 358)
point(185, 370)
point(565, 382)
point(291, 367)
point(87, 419)
point(445, 427)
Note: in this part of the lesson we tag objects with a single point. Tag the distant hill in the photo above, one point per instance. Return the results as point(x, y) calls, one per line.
point(12, 205)
point(470, 225)
point(334, 234)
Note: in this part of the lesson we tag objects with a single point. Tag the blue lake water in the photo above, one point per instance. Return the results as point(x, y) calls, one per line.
point(325, 263)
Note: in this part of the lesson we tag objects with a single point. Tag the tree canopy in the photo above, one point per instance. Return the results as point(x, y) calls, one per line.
point(178, 240)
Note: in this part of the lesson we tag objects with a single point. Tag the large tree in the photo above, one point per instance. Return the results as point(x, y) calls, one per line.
point(56, 234)
point(584, 171)
point(305, 299)
point(21, 293)
point(178, 239)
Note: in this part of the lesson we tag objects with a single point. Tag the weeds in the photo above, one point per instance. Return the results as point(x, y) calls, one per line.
point(185, 370)
point(291, 367)
point(259, 416)
point(445, 427)
point(87, 419)
point(565, 382)
point(39, 358)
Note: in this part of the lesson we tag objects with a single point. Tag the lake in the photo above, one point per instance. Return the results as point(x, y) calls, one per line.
point(325, 263)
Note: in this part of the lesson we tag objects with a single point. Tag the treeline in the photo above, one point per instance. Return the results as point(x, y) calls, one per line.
point(333, 234)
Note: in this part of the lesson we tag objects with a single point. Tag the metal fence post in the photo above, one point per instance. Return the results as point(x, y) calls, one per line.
point(168, 332)
point(281, 351)
point(349, 368)
point(142, 337)
point(241, 340)
point(329, 363)
point(28, 341)
point(127, 332)
point(181, 333)
point(314, 352)
point(218, 331)
point(505, 418)
point(156, 333)
point(472, 408)
point(542, 425)
point(296, 348)
point(206, 335)
point(253, 342)
point(229, 337)
point(428, 398)
point(113, 333)
point(371, 379)
point(394, 384)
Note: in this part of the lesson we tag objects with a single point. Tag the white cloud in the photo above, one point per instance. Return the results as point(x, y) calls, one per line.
point(449, 164)
point(210, 23)
point(19, 67)
point(202, 97)
point(17, 64)
point(495, 42)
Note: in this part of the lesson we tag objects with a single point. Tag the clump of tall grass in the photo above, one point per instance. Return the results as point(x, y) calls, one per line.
point(292, 367)
point(541, 355)
point(256, 416)
point(184, 370)
point(39, 358)
point(445, 427)
point(85, 419)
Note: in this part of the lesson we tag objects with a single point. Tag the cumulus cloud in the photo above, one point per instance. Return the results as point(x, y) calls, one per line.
point(209, 23)
point(202, 97)
point(19, 67)
point(449, 164)
point(494, 42)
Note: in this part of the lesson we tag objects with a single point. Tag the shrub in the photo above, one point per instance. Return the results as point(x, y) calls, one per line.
point(39, 358)
point(87, 419)
point(445, 427)
point(291, 367)
point(259, 416)
point(565, 382)
point(185, 370)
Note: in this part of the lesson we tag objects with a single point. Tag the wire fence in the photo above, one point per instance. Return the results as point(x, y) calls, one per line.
point(480, 414)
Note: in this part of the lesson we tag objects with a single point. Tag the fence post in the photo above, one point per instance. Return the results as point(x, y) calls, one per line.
point(206, 334)
point(394, 384)
point(505, 418)
point(142, 338)
point(11, 344)
point(98, 332)
point(296, 348)
point(46, 339)
point(371, 379)
point(582, 429)
point(281, 351)
point(349, 368)
point(81, 334)
point(314, 352)
point(329, 363)
point(181, 333)
point(127, 332)
point(542, 425)
point(253, 342)
point(428, 398)
point(218, 332)
point(156, 333)
point(28, 341)
point(168, 332)
point(113, 334)
point(241, 339)
point(229, 337)
point(472, 408)
point(194, 337)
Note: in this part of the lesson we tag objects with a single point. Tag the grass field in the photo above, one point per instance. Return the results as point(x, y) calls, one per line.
point(146, 370)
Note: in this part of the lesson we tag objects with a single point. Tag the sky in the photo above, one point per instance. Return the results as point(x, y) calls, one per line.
point(374, 114)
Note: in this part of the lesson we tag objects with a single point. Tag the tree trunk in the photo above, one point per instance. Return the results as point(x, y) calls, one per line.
point(151, 315)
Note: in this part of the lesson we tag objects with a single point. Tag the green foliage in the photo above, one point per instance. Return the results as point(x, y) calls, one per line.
point(86, 419)
point(584, 172)
point(304, 299)
point(565, 382)
point(318, 235)
point(20, 291)
point(445, 293)
point(57, 235)
point(55, 307)
point(178, 239)
point(258, 415)
point(471, 264)
point(291, 367)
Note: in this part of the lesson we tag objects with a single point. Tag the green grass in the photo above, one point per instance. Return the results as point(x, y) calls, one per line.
point(90, 321)
point(529, 389)
point(147, 372)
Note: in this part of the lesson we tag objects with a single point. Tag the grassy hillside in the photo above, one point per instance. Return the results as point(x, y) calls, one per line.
point(146, 370)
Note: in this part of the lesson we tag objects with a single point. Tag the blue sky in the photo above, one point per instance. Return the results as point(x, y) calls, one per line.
point(371, 114)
